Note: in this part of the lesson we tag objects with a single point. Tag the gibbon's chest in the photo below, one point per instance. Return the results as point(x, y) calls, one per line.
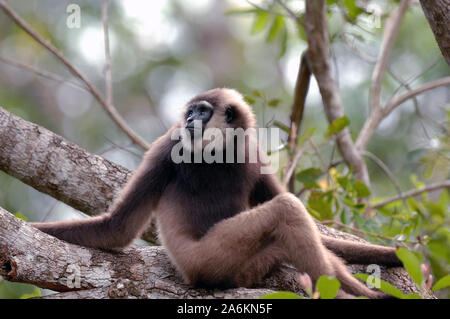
point(209, 193)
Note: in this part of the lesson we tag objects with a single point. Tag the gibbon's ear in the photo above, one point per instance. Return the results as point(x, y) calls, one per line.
point(230, 114)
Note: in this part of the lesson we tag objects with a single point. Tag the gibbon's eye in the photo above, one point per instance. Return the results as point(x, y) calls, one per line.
point(230, 114)
point(189, 113)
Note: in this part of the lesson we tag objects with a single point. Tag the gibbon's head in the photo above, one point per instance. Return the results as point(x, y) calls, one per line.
point(212, 111)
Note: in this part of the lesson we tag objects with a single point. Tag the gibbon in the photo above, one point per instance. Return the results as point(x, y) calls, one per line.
point(223, 224)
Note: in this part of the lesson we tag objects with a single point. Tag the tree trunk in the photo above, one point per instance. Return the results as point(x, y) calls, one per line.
point(437, 13)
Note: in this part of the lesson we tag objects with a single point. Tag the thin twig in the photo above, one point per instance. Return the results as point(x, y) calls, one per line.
point(108, 76)
point(414, 77)
point(387, 44)
point(294, 15)
point(375, 118)
point(293, 164)
point(406, 84)
point(413, 193)
point(393, 103)
point(267, 10)
point(363, 232)
point(109, 108)
point(385, 169)
point(388, 173)
point(120, 147)
point(316, 151)
point(360, 53)
point(318, 50)
point(44, 74)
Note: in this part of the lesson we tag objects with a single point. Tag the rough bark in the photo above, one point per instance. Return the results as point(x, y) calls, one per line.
point(59, 168)
point(318, 51)
point(437, 13)
point(30, 256)
point(88, 182)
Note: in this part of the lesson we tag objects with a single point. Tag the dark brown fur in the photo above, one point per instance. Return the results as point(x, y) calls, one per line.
point(224, 225)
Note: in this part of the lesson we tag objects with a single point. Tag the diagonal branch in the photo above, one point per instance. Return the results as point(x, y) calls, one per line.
point(108, 76)
point(291, 13)
point(56, 166)
point(375, 118)
point(44, 74)
point(318, 50)
point(396, 101)
point(109, 108)
point(413, 192)
point(59, 168)
point(31, 256)
point(387, 44)
point(297, 111)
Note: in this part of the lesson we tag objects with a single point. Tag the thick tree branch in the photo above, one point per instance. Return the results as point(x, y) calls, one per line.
point(108, 107)
point(30, 256)
point(318, 50)
point(62, 169)
point(59, 168)
point(437, 13)
point(297, 111)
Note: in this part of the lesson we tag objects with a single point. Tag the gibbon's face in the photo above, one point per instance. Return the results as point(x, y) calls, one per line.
point(211, 113)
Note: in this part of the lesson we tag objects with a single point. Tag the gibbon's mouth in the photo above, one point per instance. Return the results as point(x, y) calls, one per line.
point(192, 129)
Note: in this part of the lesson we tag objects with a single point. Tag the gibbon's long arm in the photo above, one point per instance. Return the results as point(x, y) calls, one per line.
point(130, 214)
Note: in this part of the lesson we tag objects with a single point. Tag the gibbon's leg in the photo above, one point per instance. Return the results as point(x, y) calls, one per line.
point(362, 253)
point(240, 250)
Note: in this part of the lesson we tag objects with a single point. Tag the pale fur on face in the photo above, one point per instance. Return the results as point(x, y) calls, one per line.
point(217, 125)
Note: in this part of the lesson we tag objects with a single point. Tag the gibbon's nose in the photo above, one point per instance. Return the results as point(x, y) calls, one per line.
point(201, 111)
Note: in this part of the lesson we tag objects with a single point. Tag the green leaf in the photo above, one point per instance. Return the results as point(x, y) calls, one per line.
point(337, 125)
point(389, 288)
point(343, 181)
point(249, 99)
point(19, 215)
point(281, 295)
point(283, 42)
point(35, 293)
point(411, 264)
point(301, 32)
point(327, 287)
point(435, 209)
point(275, 28)
point(442, 283)
point(260, 23)
point(309, 176)
point(274, 102)
point(281, 126)
point(305, 135)
point(257, 93)
point(353, 9)
point(361, 189)
point(322, 204)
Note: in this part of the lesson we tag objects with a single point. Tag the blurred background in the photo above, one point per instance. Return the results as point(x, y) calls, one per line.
point(166, 51)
